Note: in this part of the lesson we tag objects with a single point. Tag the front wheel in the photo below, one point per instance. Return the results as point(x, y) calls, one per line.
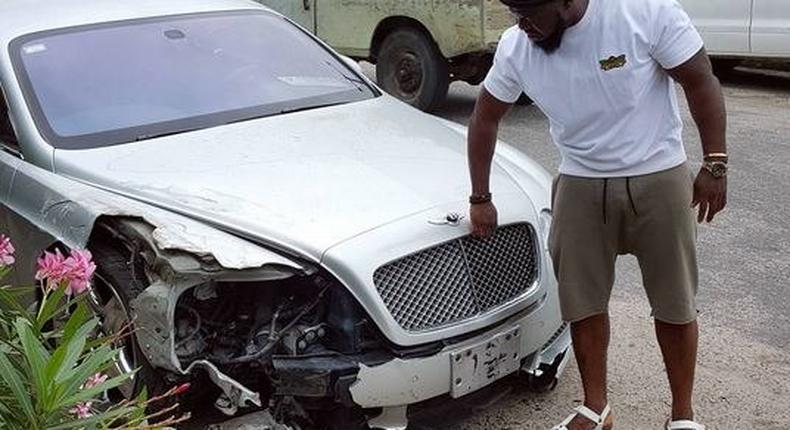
point(543, 383)
point(411, 68)
point(116, 284)
point(340, 418)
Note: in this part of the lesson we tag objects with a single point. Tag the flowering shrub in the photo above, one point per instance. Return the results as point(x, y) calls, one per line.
point(53, 368)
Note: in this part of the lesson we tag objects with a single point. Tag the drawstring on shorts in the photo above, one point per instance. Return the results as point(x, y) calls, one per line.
point(606, 198)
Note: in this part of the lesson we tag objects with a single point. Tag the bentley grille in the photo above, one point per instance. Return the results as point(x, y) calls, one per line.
point(460, 279)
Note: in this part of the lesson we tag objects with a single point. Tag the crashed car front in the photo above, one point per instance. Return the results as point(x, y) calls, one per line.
point(308, 255)
point(410, 311)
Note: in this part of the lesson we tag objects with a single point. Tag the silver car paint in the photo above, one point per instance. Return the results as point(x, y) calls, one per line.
point(326, 184)
point(418, 379)
point(377, 140)
point(305, 181)
point(68, 209)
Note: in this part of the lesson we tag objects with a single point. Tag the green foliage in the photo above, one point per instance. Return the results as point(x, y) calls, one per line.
point(50, 357)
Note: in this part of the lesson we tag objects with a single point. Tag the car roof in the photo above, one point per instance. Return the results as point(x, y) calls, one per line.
point(20, 17)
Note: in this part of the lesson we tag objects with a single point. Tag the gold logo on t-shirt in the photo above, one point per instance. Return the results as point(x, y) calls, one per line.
point(613, 63)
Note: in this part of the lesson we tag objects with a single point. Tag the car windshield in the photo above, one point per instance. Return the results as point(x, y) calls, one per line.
point(114, 83)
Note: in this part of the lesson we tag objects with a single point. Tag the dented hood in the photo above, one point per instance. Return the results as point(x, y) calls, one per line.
point(305, 181)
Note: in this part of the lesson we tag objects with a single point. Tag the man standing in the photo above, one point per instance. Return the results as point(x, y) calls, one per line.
point(602, 71)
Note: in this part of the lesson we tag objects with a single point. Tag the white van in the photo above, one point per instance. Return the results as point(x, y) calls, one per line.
point(737, 29)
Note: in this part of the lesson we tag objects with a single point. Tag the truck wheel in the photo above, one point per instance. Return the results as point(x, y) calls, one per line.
point(411, 68)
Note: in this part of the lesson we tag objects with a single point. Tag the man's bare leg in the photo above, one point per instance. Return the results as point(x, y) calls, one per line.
point(679, 347)
point(590, 344)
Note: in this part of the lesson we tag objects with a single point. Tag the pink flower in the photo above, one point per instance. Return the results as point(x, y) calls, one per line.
point(6, 251)
point(82, 410)
point(52, 267)
point(79, 271)
point(94, 380)
point(76, 270)
point(181, 389)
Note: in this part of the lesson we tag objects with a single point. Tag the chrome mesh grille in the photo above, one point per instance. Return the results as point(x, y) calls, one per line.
point(459, 279)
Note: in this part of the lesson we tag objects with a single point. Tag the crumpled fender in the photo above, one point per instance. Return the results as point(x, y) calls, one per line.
point(67, 210)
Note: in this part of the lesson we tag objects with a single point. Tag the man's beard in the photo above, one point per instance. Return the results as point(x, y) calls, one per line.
point(553, 42)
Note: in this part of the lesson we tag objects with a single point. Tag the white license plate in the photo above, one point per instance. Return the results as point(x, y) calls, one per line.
point(482, 364)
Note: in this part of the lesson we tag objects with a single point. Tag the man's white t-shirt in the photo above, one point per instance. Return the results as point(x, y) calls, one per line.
point(612, 107)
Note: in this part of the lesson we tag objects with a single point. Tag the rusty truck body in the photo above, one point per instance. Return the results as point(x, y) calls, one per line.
point(419, 46)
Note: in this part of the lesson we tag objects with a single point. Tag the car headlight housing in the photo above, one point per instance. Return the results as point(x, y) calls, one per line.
point(544, 220)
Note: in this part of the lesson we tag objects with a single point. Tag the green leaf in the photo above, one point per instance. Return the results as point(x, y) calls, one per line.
point(80, 315)
point(13, 379)
point(52, 303)
point(63, 360)
point(90, 393)
point(96, 361)
point(105, 417)
point(74, 346)
point(10, 297)
point(37, 356)
point(139, 415)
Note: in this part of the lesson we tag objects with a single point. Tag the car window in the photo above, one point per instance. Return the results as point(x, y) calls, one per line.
point(121, 82)
point(7, 136)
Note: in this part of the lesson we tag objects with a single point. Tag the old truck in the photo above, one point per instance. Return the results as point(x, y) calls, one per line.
point(419, 46)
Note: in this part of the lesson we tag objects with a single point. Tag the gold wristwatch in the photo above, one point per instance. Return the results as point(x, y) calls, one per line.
point(717, 169)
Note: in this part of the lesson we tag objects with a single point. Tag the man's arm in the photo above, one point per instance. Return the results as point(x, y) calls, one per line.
point(706, 103)
point(481, 142)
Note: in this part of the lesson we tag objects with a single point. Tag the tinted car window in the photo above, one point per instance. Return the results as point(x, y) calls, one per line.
point(122, 82)
point(7, 135)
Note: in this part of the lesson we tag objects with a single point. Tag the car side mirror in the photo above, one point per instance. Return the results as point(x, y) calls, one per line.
point(352, 63)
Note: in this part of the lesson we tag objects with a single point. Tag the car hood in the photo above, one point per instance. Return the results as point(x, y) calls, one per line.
point(303, 181)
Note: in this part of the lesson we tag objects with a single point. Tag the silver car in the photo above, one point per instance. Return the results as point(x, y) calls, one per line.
point(273, 225)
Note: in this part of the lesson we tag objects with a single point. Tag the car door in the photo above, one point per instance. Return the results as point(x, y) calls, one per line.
point(301, 11)
point(724, 24)
point(10, 157)
point(771, 27)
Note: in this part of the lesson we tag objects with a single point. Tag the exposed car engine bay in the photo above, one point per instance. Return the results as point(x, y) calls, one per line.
point(285, 341)
point(297, 338)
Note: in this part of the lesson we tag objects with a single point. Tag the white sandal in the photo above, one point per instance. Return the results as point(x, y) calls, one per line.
point(599, 420)
point(684, 425)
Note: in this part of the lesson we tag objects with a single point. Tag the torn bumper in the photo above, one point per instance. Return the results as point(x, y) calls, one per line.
point(543, 346)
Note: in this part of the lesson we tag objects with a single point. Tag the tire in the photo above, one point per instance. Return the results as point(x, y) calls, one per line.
point(541, 384)
point(341, 418)
point(410, 67)
point(116, 280)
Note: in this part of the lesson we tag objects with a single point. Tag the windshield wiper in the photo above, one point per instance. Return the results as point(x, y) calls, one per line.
point(359, 82)
point(319, 106)
point(142, 137)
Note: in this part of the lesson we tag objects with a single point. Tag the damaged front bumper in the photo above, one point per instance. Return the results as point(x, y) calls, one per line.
point(537, 342)
point(396, 384)
point(402, 382)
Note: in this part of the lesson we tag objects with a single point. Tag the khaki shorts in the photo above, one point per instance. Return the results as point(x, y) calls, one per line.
point(649, 216)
